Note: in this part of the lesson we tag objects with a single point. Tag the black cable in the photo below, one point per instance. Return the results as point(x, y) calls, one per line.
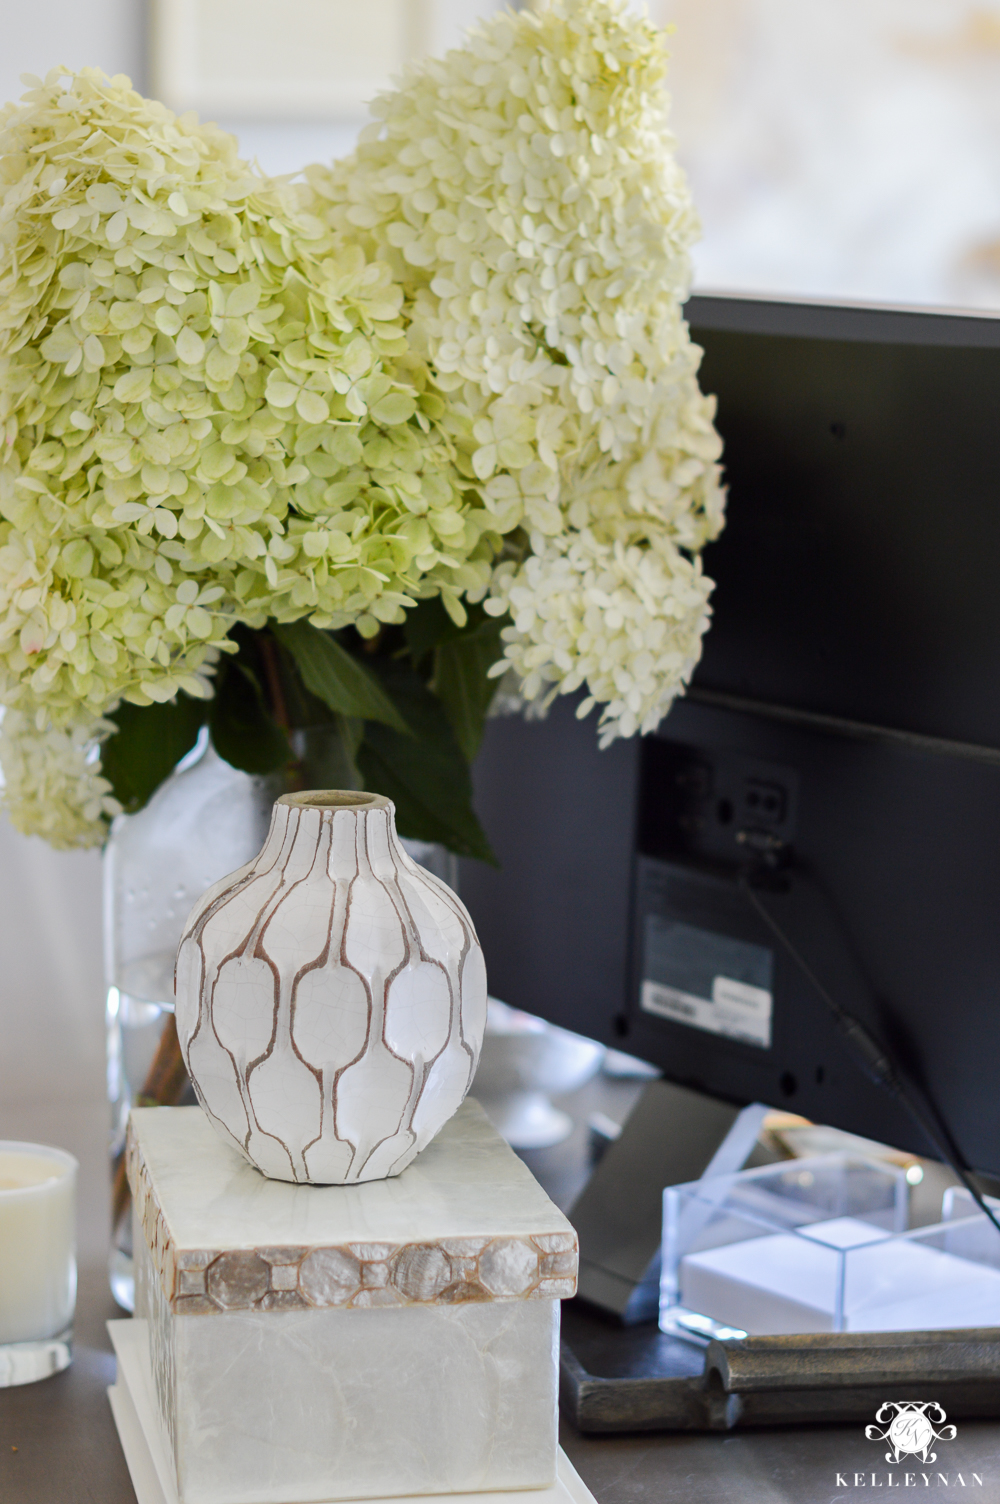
point(875, 1059)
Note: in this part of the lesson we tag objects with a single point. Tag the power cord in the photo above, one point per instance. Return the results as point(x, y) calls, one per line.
point(874, 1059)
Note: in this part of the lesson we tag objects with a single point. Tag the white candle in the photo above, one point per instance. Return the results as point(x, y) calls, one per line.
point(37, 1242)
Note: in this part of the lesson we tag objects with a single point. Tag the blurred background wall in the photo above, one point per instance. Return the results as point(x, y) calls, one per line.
point(844, 148)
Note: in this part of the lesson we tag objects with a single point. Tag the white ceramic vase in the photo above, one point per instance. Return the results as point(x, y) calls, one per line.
point(331, 996)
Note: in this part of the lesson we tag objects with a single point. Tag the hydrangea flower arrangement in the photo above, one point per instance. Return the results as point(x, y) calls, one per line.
point(347, 449)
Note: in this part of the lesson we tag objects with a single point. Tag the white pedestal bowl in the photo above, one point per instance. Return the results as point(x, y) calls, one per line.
point(524, 1062)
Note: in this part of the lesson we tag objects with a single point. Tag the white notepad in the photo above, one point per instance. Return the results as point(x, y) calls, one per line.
point(785, 1283)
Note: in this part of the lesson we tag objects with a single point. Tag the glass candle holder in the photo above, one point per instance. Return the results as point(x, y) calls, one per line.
point(37, 1261)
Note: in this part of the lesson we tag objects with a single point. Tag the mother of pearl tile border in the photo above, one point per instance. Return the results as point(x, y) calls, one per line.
point(211, 1281)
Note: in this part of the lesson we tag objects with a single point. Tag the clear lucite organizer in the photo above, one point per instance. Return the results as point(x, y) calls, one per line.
point(821, 1245)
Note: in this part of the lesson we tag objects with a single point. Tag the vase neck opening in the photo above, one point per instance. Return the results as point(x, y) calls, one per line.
point(333, 800)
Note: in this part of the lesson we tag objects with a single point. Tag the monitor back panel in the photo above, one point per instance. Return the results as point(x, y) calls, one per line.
point(847, 706)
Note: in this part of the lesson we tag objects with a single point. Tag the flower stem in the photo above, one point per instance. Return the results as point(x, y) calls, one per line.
point(272, 677)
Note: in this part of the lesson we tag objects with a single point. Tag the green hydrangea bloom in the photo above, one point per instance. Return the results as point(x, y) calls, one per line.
point(211, 412)
point(54, 787)
point(455, 364)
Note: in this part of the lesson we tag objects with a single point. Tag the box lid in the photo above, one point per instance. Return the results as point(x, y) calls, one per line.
point(466, 1221)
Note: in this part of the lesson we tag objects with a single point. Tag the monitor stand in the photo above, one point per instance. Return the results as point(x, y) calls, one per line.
point(672, 1135)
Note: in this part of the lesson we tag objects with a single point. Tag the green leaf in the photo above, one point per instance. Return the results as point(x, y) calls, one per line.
point(243, 731)
point(427, 625)
point(277, 670)
point(425, 775)
point(148, 745)
point(335, 676)
point(461, 665)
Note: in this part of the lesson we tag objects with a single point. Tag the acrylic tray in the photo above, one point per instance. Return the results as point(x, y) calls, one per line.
point(821, 1245)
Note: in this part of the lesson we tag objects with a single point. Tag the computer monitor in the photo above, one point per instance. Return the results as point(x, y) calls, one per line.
point(843, 726)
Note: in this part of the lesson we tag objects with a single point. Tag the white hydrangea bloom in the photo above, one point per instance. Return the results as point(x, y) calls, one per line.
point(624, 620)
point(526, 193)
point(53, 780)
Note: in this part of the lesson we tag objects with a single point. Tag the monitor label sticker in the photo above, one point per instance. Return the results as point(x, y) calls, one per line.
point(707, 981)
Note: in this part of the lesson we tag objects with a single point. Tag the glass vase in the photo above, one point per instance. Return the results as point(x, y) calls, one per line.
point(206, 820)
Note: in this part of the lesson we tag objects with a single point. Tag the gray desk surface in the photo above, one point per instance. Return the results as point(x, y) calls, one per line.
point(811, 1465)
point(67, 1449)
